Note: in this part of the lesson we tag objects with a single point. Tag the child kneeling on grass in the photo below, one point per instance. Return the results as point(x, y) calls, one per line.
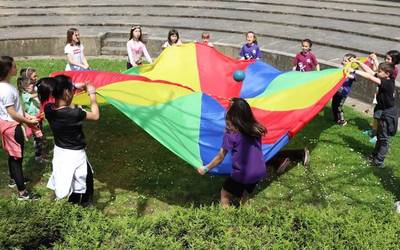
point(72, 174)
point(243, 138)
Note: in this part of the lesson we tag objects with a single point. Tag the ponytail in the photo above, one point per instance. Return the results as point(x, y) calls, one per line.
point(45, 88)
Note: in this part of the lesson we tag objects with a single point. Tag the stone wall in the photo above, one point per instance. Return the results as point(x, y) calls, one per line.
point(362, 90)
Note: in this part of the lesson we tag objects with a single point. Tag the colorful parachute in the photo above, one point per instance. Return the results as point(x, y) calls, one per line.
point(181, 99)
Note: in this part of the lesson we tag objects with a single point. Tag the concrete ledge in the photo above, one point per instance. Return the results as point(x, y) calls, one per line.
point(47, 46)
point(54, 46)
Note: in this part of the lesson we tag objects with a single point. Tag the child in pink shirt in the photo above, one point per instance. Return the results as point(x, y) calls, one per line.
point(305, 60)
point(136, 48)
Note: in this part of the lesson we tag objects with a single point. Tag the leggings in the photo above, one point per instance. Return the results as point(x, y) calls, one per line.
point(15, 164)
point(86, 198)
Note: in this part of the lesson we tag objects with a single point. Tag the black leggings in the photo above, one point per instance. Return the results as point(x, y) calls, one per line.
point(15, 164)
point(86, 198)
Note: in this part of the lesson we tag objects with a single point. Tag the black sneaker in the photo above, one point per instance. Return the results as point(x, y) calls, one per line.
point(12, 184)
point(26, 196)
point(342, 123)
point(282, 167)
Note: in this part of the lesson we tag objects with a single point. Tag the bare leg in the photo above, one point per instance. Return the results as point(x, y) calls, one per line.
point(225, 198)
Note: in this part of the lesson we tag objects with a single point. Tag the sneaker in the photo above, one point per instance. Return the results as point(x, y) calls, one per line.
point(377, 164)
point(282, 167)
point(26, 196)
point(397, 206)
point(342, 123)
point(306, 157)
point(373, 140)
point(367, 132)
point(12, 184)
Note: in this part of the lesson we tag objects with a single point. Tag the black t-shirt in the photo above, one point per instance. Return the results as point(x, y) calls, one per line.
point(66, 124)
point(386, 94)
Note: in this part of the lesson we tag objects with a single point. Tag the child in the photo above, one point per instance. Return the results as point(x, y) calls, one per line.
point(250, 49)
point(340, 97)
point(74, 51)
point(392, 57)
point(136, 48)
point(72, 173)
point(31, 103)
point(385, 111)
point(205, 37)
point(305, 60)
point(243, 138)
point(173, 39)
point(29, 73)
point(11, 117)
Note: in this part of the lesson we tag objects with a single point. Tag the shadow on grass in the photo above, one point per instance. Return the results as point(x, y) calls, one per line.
point(126, 158)
point(386, 176)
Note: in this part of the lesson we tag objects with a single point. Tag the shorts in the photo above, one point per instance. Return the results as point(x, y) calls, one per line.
point(237, 188)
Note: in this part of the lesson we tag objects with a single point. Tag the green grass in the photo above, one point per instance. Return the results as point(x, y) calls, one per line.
point(136, 177)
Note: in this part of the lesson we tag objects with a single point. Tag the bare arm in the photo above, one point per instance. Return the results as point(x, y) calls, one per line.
point(20, 118)
point(368, 76)
point(318, 67)
point(215, 162)
point(71, 61)
point(147, 55)
point(85, 61)
point(94, 113)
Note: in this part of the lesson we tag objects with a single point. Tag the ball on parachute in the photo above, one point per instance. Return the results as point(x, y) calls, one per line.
point(239, 75)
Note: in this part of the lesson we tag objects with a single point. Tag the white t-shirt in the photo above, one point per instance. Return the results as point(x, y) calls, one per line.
point(9, 96)
point(77, 54)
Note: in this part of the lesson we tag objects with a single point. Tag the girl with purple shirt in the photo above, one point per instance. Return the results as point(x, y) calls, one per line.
point(250, 49)
point(243, 138)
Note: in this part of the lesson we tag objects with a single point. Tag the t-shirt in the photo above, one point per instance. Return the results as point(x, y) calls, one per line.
point(395, 72)
point(346, 87)
point(248, 164)
point(9, 96)
point(167, 45)
point(305, 61)
point(77, 53)
point(250, 51)
point(66, 125)
point(31, 105)
point(136, 49)
point(386, 94)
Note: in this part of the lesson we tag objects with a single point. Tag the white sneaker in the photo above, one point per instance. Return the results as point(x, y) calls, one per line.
point(397, 206)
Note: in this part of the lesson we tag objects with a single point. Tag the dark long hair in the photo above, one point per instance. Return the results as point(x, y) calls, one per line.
point(70, 33)
point(45, 88)
point(133, 29)
point(395, 55)
point(240, 117)
point(6, 63)
point(170, 33)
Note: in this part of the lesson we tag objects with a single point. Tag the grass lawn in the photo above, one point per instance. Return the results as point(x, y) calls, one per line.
point(136, 176)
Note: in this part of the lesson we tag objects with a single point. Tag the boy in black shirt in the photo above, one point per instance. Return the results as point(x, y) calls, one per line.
point(385, 111)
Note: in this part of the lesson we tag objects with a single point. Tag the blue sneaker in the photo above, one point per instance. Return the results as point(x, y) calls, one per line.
point(367, 132)
point(373, 140)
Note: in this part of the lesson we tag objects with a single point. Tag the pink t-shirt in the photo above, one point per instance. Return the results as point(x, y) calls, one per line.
point(136, 49)
point(305, 61)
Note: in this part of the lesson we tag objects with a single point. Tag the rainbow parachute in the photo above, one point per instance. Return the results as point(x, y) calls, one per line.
point(181, 99)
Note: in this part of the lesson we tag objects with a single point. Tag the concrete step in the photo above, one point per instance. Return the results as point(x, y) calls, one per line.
point(114, 51)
